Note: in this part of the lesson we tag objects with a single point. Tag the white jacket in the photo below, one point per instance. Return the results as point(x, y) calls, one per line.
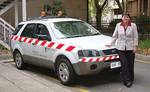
point(125, 39)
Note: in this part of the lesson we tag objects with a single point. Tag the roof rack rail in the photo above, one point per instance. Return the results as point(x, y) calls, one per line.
point(49, 17)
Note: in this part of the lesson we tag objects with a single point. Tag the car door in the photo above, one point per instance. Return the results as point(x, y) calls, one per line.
point(26, 41)
point(40, 51)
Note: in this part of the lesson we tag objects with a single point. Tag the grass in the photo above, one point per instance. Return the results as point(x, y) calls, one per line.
point(144, 44)
point(2, 47)
point(144, 47)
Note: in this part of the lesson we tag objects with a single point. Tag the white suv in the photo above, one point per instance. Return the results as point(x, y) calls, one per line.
point(68, 46)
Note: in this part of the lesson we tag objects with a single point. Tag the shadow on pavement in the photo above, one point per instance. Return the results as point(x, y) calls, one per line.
point(104, 77)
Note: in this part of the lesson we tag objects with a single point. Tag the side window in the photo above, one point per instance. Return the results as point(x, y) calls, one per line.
point(42, 30)
point(29, 30)
point(17, 29)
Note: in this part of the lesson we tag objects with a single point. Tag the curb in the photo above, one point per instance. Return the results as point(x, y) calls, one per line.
point(142, 57)
point(5, 57)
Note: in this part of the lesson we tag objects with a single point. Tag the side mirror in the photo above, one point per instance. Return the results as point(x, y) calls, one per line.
point(44, 37)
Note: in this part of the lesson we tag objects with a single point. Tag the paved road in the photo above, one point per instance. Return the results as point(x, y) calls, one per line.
point(110, 82)
point(35, 79)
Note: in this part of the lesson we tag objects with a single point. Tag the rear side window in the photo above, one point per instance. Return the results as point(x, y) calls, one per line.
point(29, 30)
point(42, 30)
point(17, 29)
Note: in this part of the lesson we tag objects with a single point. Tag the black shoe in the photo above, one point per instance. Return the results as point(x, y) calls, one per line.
point(125, 83)
point(128, 84)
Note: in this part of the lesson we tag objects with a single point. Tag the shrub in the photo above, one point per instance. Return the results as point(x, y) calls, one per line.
point(2, 47)
point(144, 44)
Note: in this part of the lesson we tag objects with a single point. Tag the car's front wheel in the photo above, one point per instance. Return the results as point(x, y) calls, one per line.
point(65, 71)
point(19, 60)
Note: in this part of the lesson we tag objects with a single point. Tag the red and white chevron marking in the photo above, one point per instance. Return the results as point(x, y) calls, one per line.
point(54, 45)
point(98, 59)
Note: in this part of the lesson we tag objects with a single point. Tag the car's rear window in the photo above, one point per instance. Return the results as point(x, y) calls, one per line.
point(17, 29)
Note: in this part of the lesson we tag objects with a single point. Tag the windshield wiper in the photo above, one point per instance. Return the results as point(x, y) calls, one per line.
point(81, 35)
point(97, 34)
point(74, 36)
point(91, 34)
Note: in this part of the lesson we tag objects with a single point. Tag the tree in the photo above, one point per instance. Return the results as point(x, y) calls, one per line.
point(57, 6)
point(122, 5)
point(54, 8)
point(47, 9)
point(100, 5)
point(91, 10)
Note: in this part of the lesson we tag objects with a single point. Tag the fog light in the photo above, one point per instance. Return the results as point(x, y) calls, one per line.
point(93, 66)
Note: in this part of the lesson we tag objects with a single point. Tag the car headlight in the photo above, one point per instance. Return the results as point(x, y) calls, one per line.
point(88, 53)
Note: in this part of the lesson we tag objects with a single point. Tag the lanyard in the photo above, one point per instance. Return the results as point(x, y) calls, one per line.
point(125, 28)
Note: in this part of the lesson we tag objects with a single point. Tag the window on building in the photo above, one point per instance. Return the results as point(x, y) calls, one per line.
point(145, 6)
point(141, 5)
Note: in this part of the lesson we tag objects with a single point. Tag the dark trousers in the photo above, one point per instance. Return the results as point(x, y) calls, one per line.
point(127, 64)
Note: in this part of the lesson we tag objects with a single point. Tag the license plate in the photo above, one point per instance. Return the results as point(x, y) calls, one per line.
point(115, 64)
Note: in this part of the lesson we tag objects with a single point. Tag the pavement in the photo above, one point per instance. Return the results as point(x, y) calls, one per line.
point(142, 57)
point(14, 80)
point(35, 79)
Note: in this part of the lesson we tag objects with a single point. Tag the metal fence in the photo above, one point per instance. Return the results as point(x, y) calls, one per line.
point(143, 29)
point(5, 31)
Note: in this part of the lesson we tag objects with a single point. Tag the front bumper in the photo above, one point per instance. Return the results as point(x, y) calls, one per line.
point(88, 68)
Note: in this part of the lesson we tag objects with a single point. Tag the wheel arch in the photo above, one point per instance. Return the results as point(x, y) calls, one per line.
point(62, 56)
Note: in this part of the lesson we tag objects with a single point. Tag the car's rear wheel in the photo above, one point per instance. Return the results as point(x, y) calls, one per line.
point(65, 71)
point(19, 60)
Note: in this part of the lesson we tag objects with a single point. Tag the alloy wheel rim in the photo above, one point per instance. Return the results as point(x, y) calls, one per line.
point(63, 72)
point(18, 60)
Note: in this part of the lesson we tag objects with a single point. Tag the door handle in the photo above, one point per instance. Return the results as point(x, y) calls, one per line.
point(46, 49)
point(20, 41)
point(33, 43)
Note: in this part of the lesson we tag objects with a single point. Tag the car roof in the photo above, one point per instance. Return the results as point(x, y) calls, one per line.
point(49, 19)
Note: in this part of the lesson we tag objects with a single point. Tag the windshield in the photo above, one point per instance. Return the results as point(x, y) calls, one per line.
point(70, 29)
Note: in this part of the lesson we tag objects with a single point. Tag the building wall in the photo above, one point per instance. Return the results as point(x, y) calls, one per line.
point(132, 8)
point(76, 8)
point(73, 8)
point(135, 7)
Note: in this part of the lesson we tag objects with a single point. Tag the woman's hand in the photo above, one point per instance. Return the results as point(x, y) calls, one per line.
point(135, 49)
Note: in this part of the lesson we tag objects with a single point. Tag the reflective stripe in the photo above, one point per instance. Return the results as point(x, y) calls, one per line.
point(60, 46)
point(99, 59)
point(51, 44)
point(70, 48)
point(45, 43)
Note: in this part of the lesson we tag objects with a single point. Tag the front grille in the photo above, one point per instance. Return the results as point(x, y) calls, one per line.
point(110, 51)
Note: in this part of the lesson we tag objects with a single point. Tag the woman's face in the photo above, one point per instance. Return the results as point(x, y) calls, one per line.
point(125, 19)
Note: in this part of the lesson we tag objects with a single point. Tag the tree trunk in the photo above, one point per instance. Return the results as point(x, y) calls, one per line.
point(119, 5)
point(99, 10)
point(98, 19)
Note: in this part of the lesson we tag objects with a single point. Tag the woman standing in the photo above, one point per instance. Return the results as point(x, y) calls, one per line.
point(125, 37)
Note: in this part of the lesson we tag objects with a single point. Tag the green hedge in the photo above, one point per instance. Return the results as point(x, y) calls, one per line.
point(2, 47)
point(144, 44)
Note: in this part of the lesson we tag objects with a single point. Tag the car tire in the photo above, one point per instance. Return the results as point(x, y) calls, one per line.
point(65, 71)
point(19, 60)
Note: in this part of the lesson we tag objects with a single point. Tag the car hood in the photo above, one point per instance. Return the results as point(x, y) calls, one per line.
point(89, 42)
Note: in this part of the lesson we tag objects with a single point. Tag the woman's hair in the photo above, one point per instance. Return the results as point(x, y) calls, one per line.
point(126, 14)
